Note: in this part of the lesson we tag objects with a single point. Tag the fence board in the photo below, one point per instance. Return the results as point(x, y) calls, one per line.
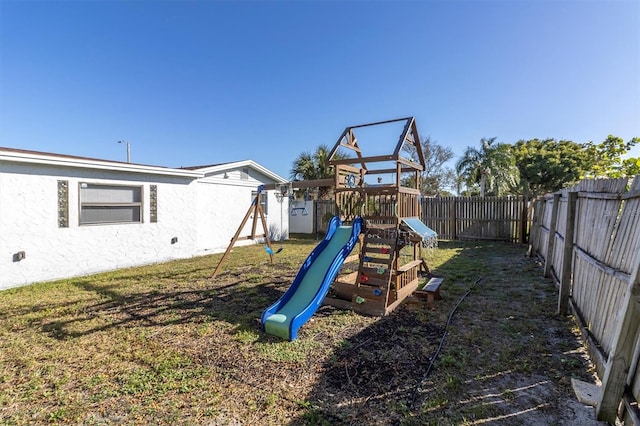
point(597, 292)
point(604, 265)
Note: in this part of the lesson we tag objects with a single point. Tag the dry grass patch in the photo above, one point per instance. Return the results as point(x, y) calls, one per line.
point(165, 344)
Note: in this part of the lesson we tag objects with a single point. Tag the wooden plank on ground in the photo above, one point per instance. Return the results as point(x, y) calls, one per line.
point(433, 285)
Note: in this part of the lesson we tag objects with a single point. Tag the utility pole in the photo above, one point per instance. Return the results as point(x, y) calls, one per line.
point(128, 150)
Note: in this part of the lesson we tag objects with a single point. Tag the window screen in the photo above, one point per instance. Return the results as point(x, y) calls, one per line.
point(102, 204)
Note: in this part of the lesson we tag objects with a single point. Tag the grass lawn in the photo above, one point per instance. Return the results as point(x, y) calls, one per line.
point(165, 344)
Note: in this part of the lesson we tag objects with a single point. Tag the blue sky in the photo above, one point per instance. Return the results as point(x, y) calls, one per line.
point(205, 82)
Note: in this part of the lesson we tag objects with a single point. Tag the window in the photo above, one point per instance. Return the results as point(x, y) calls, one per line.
point(244, 174)
point(101, 204)
point(263, 200)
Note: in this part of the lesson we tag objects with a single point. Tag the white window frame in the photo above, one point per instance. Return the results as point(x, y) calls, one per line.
point(107, 203)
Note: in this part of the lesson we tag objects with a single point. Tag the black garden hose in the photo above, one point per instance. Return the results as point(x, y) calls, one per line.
point(444, 335)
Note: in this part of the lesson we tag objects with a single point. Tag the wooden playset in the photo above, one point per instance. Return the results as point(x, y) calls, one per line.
point(383, 190)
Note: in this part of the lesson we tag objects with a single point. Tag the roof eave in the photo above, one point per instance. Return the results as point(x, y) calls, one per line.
point(228, 166)
point(52, 160)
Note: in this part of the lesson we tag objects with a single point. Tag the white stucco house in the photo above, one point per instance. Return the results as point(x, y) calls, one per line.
point(63, 216)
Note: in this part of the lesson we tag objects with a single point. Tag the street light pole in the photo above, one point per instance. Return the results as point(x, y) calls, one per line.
point(128, 150)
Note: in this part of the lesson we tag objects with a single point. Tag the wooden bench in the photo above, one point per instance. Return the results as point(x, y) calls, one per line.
point(431, 291)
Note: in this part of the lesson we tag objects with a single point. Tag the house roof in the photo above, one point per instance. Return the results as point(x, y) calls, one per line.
point(201, 167)
point(38, 157)
point(223, 167)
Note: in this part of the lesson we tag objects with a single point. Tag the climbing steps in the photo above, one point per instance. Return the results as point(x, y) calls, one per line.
point(382, 277)
point(374, 284)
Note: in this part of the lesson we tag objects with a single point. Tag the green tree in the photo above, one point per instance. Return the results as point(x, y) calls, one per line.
point(311, 166)
point(607, 155)
point(549, 165)
point(491, 167)
point(631, 166)
point(436, 176)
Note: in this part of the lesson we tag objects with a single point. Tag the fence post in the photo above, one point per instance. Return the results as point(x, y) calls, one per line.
point(551, 241)
point(567, 262)
point(315, 217)
point(535, 228)
point(523, 220)
point(452, 218)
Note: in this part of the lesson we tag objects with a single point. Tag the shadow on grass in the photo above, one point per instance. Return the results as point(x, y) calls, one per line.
point(233, 302)
point(180, 292)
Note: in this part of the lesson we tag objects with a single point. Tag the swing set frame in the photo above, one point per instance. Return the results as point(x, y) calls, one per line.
point(258, 212)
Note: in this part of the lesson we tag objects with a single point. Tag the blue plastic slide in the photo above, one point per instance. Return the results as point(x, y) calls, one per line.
point(304, 297)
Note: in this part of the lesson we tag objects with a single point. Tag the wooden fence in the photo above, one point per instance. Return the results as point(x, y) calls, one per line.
point(462, 218)
point(589, 238)
point(475, 218)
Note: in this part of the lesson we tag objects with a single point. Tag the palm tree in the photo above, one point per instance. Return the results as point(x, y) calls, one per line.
point(491, 166)
point(311, 166)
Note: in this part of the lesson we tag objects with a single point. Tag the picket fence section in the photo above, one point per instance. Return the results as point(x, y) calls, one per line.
point(475, 218)
point(461, 218)
point(589, 238)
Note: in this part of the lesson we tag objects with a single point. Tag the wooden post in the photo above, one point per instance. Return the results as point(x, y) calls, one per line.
point(233, 241)
point(535, 228)
point(260, 211)
point(314, 203)
point(254, 223)
point(567, 263)
point(452, 218)
point(551, 241)
point(523, 220)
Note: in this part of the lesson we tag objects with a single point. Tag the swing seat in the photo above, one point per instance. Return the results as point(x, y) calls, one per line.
point(270, 251)
point(293, 203)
